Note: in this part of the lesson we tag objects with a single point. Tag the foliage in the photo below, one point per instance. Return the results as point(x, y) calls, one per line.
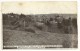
point(74, 22)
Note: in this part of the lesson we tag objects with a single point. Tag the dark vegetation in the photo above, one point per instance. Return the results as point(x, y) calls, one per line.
point(22, 21)
point(30, 30)
point(74, 22)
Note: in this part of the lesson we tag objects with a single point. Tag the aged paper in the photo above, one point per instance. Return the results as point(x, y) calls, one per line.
point(39, 24)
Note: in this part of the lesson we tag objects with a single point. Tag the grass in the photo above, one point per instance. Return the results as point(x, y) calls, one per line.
point(15, 37)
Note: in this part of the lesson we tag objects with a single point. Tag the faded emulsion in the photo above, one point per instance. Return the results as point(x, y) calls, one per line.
point(39, 25)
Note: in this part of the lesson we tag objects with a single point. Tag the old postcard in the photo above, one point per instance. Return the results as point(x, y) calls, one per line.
point(39, 24)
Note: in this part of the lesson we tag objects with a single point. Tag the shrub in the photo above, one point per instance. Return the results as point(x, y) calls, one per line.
point(39, 27)
point(30, 30)
point(74, 22)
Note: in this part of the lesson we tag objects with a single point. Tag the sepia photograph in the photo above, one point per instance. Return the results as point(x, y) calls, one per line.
point(39, 24)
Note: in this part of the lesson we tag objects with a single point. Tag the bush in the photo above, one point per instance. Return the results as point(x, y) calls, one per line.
point(74, 22)
point(30, 30)
point(39, 27)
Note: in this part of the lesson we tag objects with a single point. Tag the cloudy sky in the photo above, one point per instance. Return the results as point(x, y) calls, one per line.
point(40, 7)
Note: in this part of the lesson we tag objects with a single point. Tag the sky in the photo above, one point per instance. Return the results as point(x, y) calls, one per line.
point(38, 7)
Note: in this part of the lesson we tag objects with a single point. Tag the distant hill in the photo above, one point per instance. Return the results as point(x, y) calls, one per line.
point(44, 15)
point(62, 15)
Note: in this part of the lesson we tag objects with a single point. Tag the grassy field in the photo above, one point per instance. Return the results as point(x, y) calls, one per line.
point(17, 37)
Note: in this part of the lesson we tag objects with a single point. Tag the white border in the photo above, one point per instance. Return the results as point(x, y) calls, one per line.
point(36, 0)
point(56, 49)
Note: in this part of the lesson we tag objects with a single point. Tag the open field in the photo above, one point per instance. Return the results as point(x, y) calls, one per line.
point(15, 37)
